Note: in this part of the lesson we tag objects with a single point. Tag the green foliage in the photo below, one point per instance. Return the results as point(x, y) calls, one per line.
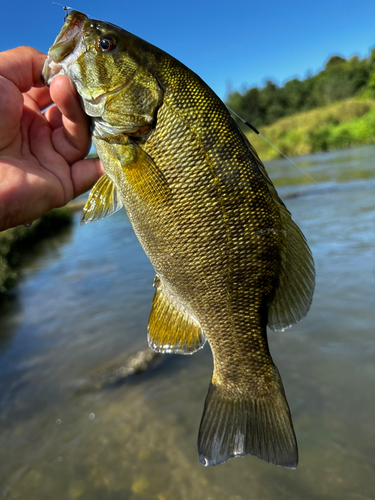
point(339, 125)
point(15, 241)
point(319, 139)
point(339, 80)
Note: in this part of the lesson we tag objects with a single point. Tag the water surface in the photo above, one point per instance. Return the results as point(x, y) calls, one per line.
point(82, 306)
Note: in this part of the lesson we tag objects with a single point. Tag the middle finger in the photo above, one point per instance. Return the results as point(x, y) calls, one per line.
point(41, 96)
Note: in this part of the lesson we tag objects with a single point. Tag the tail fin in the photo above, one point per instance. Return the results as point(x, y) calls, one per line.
point(238, 426)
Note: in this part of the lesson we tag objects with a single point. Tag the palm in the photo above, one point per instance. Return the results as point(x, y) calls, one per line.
point(41, 155)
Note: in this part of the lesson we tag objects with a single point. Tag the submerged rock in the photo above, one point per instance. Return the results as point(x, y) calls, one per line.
point(119, 373)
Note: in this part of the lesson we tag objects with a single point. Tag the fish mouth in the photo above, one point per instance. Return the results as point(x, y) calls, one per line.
point(68, 37)
point(67, 40)
point(69, 46)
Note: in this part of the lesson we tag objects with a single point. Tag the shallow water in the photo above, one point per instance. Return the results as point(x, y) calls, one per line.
point(82, 306)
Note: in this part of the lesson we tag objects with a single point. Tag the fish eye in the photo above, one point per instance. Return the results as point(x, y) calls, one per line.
point(106, 44)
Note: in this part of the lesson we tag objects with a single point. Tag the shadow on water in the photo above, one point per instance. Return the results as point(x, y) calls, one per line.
point(81, 419)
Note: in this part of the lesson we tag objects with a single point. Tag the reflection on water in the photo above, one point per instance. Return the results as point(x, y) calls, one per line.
point(327, 168)
point(83, 304)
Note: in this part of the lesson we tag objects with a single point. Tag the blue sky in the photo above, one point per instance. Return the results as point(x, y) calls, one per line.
point(231, 43)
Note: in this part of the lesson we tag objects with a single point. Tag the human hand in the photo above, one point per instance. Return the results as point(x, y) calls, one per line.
point(42, 163)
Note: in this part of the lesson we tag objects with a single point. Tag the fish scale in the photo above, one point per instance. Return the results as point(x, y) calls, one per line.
point(228, 258)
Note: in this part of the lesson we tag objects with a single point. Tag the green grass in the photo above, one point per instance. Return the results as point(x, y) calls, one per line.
point(340, 125)
point(16, 241)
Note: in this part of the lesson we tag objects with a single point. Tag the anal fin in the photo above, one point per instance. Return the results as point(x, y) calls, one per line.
point(171, 329)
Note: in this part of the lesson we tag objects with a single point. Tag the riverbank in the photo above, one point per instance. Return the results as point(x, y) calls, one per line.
point(341, 125)
point(14, 242)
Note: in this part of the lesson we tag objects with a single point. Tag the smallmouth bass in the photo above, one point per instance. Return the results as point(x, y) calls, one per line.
point(228, 258)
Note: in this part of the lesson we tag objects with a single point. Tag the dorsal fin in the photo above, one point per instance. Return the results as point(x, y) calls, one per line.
point(293, 295)
point(171, 329)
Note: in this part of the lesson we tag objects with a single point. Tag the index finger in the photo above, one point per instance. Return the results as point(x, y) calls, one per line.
point(72, 140)
point(23, 66)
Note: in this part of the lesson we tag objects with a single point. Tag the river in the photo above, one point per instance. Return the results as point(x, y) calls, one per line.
point(81, 308)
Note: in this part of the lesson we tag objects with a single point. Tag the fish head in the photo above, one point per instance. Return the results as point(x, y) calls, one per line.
point(110, 68)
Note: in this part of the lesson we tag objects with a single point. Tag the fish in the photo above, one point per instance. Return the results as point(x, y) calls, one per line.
point(228, 258)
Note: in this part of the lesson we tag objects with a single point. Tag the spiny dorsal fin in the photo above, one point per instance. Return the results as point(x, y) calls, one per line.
point(171, 329)
point(261, 167)
point(293, 295)
point(102, 202)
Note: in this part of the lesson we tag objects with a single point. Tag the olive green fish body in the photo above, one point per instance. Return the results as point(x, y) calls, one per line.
point(228, 258)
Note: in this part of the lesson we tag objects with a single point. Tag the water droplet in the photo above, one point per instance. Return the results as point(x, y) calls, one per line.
point(92, 416)
point(58, 421)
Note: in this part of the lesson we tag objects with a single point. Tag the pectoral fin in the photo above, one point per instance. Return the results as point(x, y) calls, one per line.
point(102, 202)
point(144, 176)
point(171, 329)
point(132, 169)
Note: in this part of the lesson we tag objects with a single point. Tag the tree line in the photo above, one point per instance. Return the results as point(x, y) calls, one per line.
point(340, 79)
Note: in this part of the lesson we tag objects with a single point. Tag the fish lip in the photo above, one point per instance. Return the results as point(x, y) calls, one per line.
point(73, 26)
point(67, 40)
